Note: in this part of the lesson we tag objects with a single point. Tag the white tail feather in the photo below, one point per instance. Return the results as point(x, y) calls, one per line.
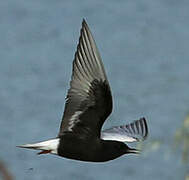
point(49, 145)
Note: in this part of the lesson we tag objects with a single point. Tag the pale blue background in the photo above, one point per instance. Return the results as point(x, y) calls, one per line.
point(145, 49)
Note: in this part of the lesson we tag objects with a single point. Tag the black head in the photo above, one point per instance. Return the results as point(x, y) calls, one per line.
point(114, 149)
point(123, 148)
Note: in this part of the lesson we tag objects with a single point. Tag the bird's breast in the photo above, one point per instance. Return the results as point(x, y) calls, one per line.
point(78, 147)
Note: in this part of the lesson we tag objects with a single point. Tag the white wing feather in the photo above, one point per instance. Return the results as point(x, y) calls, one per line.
point(135, 131)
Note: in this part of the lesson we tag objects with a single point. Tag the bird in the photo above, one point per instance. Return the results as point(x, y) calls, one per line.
point(88, 104)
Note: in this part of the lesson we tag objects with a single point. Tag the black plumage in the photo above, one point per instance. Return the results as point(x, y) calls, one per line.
point(88, 104)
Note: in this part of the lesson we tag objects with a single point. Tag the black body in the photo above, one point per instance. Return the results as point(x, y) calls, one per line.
point(90, 148)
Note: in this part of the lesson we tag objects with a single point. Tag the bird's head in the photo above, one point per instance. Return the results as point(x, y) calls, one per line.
point(114, 149)
point(122, 148)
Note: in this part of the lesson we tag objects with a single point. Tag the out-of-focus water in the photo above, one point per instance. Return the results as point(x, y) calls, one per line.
point(144, 46)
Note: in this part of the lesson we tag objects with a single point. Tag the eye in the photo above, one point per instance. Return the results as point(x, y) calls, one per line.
point(120, 146)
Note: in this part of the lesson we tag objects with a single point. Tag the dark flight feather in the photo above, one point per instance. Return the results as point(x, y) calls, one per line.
point(89, 99)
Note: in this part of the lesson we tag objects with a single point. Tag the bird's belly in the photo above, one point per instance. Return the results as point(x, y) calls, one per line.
point(80, 149)
point(79, 152)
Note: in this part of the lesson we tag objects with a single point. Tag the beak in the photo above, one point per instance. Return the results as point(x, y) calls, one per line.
point(132, 150)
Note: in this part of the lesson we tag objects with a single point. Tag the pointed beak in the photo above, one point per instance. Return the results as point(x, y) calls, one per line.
point(132, 150)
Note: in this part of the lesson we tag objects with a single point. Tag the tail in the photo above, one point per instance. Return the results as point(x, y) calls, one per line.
point(49, 146)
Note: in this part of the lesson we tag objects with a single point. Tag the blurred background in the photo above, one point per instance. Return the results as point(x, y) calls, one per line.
point(144, 47)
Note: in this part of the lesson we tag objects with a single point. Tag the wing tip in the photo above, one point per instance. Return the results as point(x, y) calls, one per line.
point(143, 120)
point(84, 23)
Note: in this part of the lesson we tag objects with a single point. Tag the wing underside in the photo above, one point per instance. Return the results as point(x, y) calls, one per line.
point(135, 131)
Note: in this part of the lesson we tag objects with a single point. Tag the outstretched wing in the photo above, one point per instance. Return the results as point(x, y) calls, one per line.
point(135, 131)
point(89, 99)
